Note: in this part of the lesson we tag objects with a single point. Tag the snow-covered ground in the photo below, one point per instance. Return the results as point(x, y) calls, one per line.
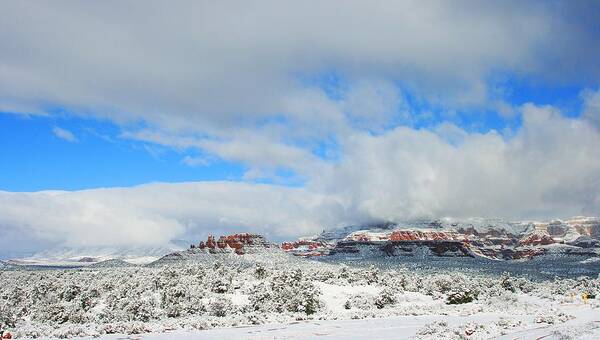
point(270, 296)
point(586, 325)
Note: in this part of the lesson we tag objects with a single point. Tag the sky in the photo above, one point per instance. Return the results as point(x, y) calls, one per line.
point(139, 123)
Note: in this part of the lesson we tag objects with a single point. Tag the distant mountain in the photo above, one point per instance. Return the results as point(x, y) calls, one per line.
point(489, 238)
point(5, 265)
point(83, 256)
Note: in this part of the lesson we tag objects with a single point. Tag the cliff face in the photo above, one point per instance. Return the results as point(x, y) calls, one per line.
point(407, 248)
point(490, 239)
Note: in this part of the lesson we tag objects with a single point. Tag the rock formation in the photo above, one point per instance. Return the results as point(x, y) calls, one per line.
point(238, 243)
point(492, 239)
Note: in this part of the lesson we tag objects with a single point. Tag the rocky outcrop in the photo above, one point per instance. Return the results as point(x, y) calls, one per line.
point(585, 242)
point(307, 248)
point(511, 253)
point(411, 235)
point(537, 240)
point(490, 233)
point(408, 248)
point(237, 243)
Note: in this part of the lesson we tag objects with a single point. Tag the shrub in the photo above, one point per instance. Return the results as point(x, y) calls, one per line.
point(385, 298)
point(457, 298)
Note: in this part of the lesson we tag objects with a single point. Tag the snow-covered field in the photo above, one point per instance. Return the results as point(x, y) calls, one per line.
point(275, 296)
point(584, 326)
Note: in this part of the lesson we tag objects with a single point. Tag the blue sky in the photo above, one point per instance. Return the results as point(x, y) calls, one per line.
point(34, 158)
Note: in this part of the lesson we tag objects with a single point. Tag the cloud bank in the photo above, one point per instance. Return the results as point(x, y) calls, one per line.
point(216, 67)
point(549, 168)
point(155, 214)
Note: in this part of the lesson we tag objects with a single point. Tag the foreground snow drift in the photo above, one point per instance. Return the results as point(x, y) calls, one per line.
point(223, 296)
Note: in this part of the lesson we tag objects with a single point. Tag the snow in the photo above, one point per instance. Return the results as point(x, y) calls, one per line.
point(335, 296)
point(238, 299)
point(141, 259)
point(591, 260)
point(585, 326)
point(387, 328)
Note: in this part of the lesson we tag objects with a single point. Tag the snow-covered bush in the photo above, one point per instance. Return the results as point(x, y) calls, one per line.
point(459, 297)
point(387, 297)
point(552, 317)
point(7, 316)
point(360, 302)
point(433, 328)
point(260, 272)
point(289, 291)
point(220, 307)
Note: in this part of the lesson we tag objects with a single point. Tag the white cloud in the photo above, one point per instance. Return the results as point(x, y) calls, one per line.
point(195, 161)
point(372, 105)
point(549, 168)
point(451, 133)
point(260, 150)
point(207, 66)
point(156, 213)
point(64, 134)
point(591, 109)
point(263, 154)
